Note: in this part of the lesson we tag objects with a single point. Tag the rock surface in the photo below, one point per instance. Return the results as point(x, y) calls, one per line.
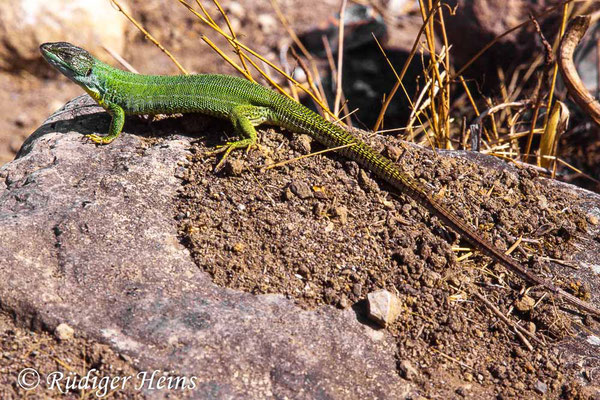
point(88, 239)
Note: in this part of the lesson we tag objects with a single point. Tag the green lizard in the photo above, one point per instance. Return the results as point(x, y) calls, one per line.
point(246, 105)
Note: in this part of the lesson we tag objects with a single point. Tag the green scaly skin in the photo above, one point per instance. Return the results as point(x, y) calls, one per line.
point(246, 105)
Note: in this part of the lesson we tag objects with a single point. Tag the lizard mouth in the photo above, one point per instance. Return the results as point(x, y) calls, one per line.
point(57, 55)
point(53, 59)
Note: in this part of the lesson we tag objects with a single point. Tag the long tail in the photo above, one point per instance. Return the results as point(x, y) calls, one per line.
point(299, 119)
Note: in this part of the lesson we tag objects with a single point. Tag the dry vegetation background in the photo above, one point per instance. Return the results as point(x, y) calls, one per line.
point(473, 75)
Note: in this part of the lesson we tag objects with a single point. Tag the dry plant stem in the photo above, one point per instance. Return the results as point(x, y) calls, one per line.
point(226, 58)
point(334, 70)
point(536, 113)
point(309, 72)
point(289, 30)
point(469, 96)
point(267, 77)
point(311, 82)
point(347, 115)
point(572, 167)
point(492, 120)
point(446, 356)
point(563, 24)
point(434, 78)
point(149, 36)
point(446, 83)
point(548, 61)
point(235, 47)
point(503, 89)
point(462, 141)
point(555, 126)
point(209, 18)
point(497, 108)
point(400, 76)
point(340, 60)
point(508, 322)
point(526, 76)
point(120, 60)
point(316, 153)
point(313, 71)
point(235, 42)
point(575, 31)
point(420, 105)
point(396, 86)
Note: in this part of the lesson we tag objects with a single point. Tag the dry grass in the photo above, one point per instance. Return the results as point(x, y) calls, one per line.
point(519, 112)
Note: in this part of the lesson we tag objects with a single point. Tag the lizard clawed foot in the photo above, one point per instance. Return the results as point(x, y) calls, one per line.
point(99, 139)
point(228, 148)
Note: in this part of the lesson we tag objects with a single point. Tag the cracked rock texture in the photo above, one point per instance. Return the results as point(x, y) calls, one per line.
point(88, 238)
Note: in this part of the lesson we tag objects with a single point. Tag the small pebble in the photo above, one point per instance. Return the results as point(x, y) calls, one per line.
point(64, 332)
point(21, 120)
point(366, 183)
point(301, 189)
point(525, 304)
point(235, 166)
point(393, 152)
point(319, 210)
point(384, 307)
point(542, 202)
point(407, 371)
point(238, 247)
point(343, 302)
point(304, 271)
point(342, 213)
point(302, 144)
point(540, 387)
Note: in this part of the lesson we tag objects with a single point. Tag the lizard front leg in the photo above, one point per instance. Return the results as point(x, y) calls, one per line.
point(116, 124)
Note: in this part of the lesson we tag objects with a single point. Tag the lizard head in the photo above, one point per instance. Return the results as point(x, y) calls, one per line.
point(74, 62)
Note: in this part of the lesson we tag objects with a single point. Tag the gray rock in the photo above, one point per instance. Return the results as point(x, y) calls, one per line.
point(88, 238)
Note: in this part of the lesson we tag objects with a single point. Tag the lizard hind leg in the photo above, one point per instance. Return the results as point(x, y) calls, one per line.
point(244, 118)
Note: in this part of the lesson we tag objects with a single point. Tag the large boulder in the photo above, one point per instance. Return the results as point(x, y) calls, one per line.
point(88, 238)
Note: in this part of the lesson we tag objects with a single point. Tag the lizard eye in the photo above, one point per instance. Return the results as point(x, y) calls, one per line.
point(88, 72)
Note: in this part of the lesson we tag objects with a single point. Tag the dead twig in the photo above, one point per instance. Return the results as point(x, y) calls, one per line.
point(149, 36)
point(498, 107)
point(575, 31)
point(520, 331)
point(340, 60)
